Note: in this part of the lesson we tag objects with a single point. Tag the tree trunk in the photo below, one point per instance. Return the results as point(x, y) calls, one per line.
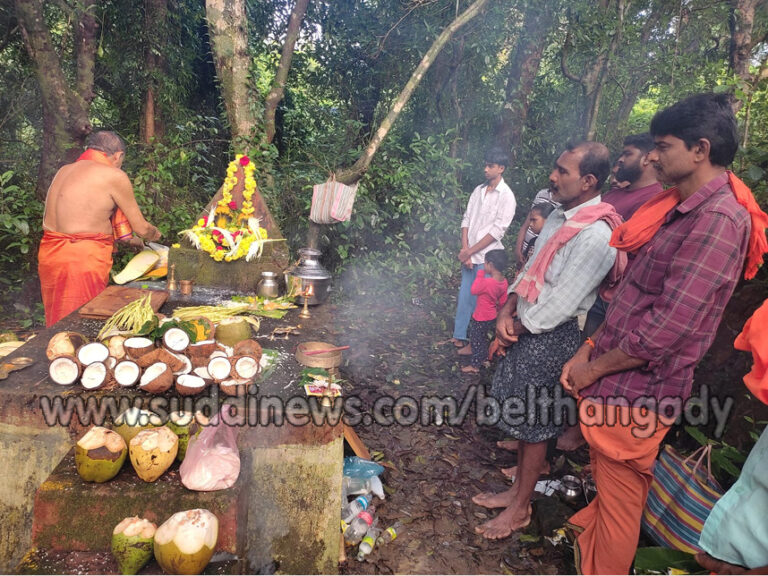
point(353, 174)
point(522, 75)
point(229, 43)
point(155, 24)
point(278, 86)
point(65, 110)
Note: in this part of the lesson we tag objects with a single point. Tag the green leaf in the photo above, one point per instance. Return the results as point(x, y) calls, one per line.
point(697, 435)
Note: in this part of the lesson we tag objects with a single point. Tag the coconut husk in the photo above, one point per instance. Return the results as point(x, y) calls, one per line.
point(247, 348)
point(156, 381)
point(64, 344)
point(235, 386)
point(161, 355)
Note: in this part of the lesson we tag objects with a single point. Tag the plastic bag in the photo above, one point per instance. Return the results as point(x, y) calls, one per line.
point(212, 461)
point(357, 467)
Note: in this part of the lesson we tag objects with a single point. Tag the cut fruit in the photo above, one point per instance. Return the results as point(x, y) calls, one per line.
point(202, 371)
point(64, 344)
point(99, 454)
point(93, 352)
point(153, 451)
point(133, 544)
point(139, 264)
point(138, 346)
point(186, 369)
point(189, 385)
point(127, 373)
point(184, 544)
point(64, 370)
point(95, 376)
point(176, 340)
point(156, 379)
point(219, 368)
point(161, 355)
point(245, 367)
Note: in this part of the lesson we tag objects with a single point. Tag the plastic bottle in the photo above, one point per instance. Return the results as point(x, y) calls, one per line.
point(352, 509)
point(368, 542)
point(352, 485)
point(390, 534)
point(359, 526)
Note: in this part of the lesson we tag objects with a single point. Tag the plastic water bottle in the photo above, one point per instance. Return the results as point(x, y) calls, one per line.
point(390, 534)
point(351, 485)
point(359, 526)
point(352, 509)
point(367, 543)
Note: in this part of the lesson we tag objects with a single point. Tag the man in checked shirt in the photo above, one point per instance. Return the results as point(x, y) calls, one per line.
point(690, 242)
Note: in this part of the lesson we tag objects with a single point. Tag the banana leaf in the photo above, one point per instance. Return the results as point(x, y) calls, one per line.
point(658, 560)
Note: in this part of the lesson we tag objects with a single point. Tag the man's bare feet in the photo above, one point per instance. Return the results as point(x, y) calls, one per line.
point(511, 472)
point(495, 500)
point(470, 369)
point(458, 343)
point(510, 445)
point(466, 351)
point(510, 520)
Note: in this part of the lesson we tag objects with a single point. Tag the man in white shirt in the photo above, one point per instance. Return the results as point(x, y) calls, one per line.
point(489, 212)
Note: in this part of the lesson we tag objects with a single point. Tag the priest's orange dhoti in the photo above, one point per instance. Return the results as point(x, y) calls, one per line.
point(624, 443)
point(73, 268)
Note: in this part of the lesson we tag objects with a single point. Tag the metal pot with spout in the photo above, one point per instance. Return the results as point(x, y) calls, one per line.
point(309, 276)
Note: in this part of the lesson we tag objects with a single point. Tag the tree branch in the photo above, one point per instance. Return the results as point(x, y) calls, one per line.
point(564, 60)
point(281, 77)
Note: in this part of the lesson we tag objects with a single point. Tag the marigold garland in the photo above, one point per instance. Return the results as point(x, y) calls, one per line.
point(230, 234)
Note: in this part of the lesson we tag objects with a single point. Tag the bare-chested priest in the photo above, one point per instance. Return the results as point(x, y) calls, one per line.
point(76, 250)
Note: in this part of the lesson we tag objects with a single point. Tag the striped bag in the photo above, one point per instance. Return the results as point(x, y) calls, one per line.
point(681, 497)
point(332, 202)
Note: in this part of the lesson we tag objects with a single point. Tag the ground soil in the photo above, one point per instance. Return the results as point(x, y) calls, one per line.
point(399, 348)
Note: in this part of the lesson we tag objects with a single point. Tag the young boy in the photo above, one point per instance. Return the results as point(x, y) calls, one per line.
point(538, 216)
point(490, 287)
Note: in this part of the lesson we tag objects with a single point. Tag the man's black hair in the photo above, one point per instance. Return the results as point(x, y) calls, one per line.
point(708, 116)
point(498, 258)
point(643, 142)
point(497, 156)
point(595, 160)
point(106, 141)
point(543, 208)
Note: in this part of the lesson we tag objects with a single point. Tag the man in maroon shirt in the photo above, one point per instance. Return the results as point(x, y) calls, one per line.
point(659, 324)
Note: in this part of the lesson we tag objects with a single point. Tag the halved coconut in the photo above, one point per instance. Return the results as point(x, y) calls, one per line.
point(64, 370)
point(186, 369)
point(235, 386)
point(156, 379)
point(247, 348)
point(219, 368)
point(115, 345)
point(137, 346)
point(230, 331)
point(161, 355)
point(64, 344)
point(127, 373)
point(93, 352)
point(110, 362)
point(189, 384)
point(132, 421)
point(133, 543)
point(204, 347)
point(186, 426)
point(95, 376)
point(202, 371)
point(99, 454)
point(184, 543)
point(245, 367)
point(176, 340)
point(219, 353)
point(153, 451)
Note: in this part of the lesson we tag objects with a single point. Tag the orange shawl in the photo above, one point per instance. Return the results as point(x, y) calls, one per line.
point(754, 338)
point(639, 229)
point(73, 269)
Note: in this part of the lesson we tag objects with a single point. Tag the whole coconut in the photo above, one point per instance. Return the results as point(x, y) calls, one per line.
point(133, 543)
point(184, 544)
point(99, 454)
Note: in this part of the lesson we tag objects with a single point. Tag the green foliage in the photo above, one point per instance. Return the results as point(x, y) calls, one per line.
point(20, 217)
point(726, 459)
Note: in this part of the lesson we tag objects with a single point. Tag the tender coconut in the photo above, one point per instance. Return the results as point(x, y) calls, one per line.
point(99, 454)
point(93, 352)
point(64, 370)
point(153, 451)
point(133, 544)
point(94, 376)
point(184, 544)
point(133, 421)
point(230, 331)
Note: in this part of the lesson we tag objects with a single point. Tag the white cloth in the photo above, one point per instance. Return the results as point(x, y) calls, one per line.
point(574, 275)
point(488, 212)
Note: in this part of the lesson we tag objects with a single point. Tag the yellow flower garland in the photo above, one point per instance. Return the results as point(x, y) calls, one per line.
point(236, 233)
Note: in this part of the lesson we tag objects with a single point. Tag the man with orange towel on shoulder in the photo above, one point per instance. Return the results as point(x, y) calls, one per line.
point(78, 235)
point(691, 244)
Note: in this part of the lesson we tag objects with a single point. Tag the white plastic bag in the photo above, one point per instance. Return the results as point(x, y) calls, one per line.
point(212, 461)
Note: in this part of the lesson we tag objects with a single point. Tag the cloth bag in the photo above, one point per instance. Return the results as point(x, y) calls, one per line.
point(332, 202)
point(212, 461)
point(680, 499)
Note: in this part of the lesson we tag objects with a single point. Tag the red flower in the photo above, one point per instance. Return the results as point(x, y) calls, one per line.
point(232, 205)
point(244, 161)
point(219, 247)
